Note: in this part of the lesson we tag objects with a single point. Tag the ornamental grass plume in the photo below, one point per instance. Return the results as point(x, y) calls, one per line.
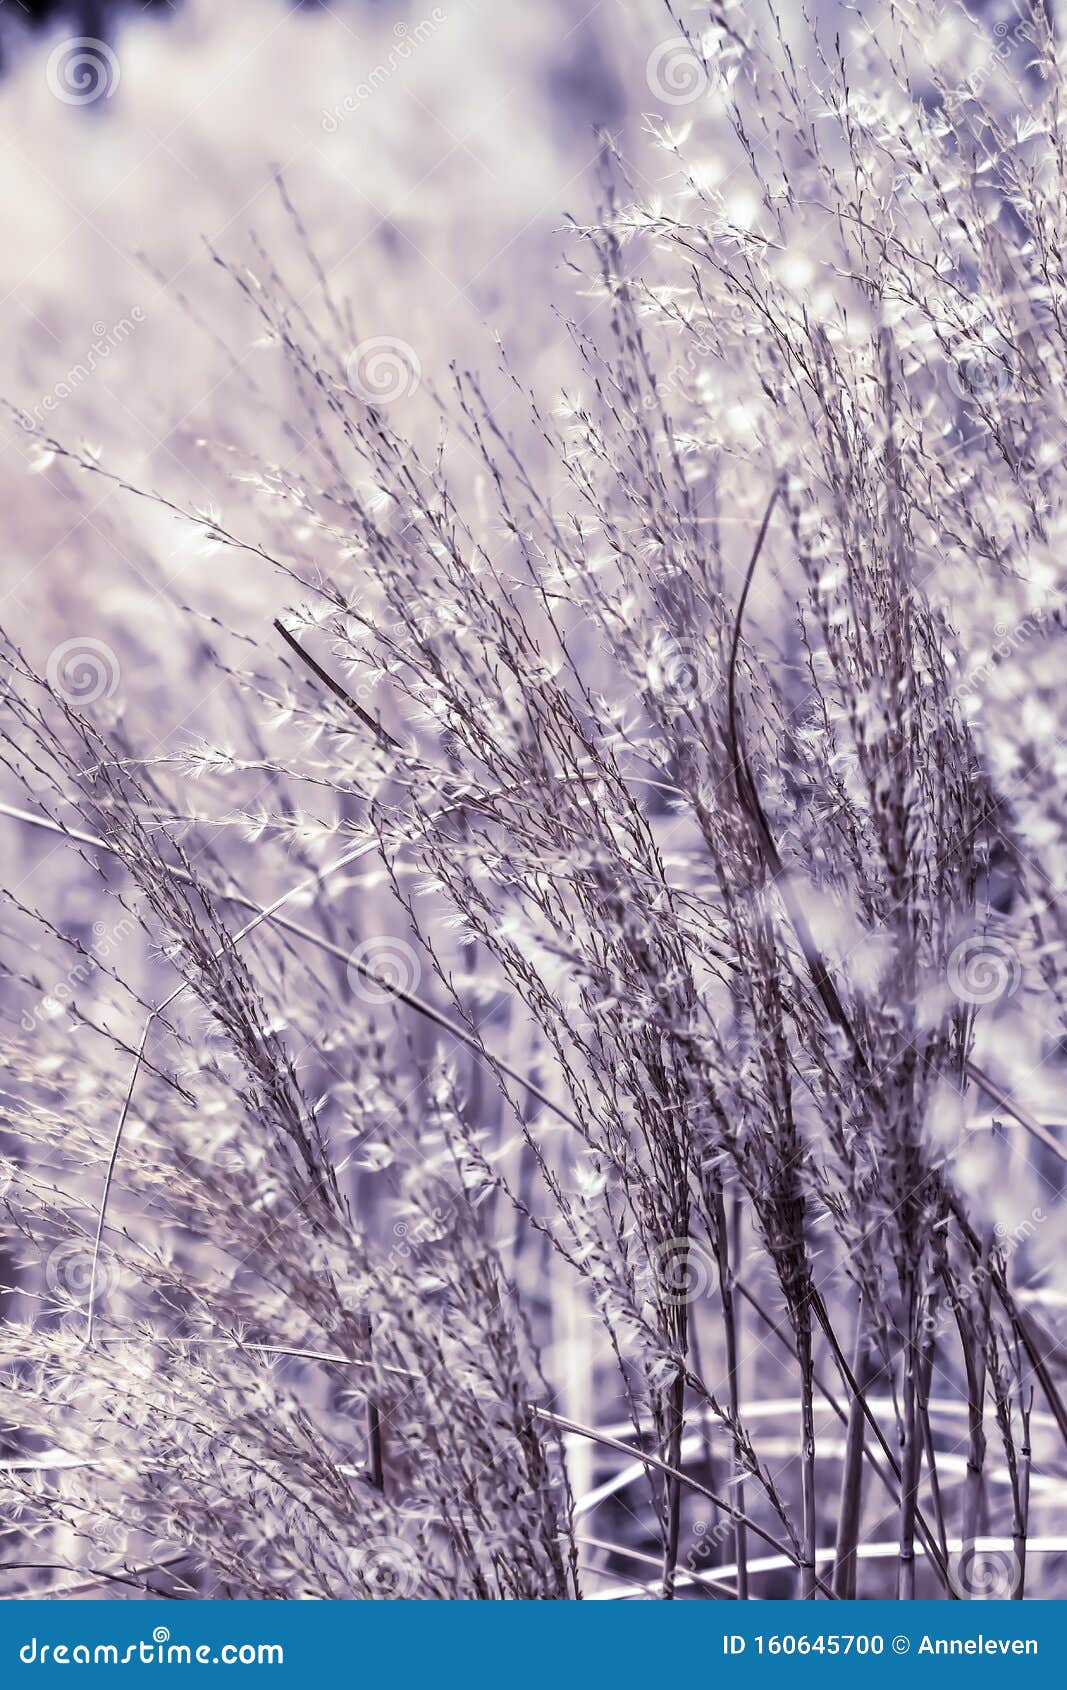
point(579, 1126)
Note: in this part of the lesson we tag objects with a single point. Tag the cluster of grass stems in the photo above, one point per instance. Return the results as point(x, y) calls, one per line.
point(543, 1148)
